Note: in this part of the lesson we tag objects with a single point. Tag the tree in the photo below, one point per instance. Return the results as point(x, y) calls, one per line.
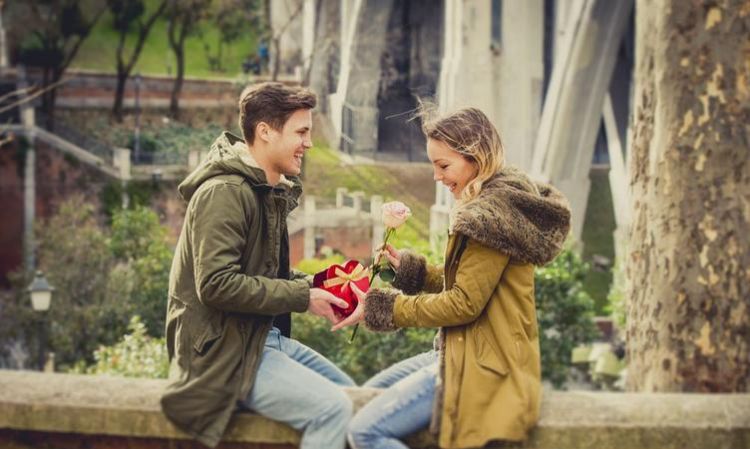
point(51, 33)
point(689, 283)
point(126, 15)
point(183, 16)
point(234, 19)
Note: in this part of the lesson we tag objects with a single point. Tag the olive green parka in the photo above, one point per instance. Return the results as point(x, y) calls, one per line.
point(489, 383)
point(229, 280)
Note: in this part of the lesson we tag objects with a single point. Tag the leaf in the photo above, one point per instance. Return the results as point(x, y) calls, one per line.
point(387, 275)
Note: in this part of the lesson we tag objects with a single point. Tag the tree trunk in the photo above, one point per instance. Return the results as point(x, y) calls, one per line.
point(174, 104)
point(122, 78)
point(689, 265)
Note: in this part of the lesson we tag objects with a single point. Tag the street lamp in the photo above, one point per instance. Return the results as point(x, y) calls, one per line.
point(41, 293)
point(41, 296)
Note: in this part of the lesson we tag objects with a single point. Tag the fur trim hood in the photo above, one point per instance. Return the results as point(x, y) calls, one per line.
point(527, 220)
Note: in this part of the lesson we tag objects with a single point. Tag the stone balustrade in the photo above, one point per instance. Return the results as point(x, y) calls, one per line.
point(77, 411)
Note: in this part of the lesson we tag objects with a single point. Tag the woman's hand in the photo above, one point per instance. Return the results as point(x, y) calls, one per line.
point(393, 255)
point(358, 313)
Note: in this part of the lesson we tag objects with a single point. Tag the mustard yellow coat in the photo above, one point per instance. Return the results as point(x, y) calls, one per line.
point(489, 387)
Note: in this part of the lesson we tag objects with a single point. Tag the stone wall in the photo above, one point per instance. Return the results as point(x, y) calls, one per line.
point(76, 411)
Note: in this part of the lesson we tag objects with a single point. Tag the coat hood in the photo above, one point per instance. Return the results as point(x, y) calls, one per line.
point(527, 220)
point(229, 156)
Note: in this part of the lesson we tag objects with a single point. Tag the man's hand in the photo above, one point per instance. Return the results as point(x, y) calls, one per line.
point(320, 304)
point(358, 313)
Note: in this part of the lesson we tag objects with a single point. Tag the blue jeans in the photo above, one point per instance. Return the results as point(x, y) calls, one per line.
point(402, 409)
point(299, 387)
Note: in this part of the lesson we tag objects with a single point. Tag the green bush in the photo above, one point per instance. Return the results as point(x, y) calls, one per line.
point(135, 355)
point(565, 314)
point(102, 276)
point(370, 352)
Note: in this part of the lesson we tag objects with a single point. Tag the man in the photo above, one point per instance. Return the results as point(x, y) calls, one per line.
point(231, 290)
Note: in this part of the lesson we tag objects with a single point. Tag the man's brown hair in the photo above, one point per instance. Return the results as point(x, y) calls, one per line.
point(271, 103)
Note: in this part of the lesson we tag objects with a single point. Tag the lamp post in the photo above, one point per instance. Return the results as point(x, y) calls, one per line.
point(41, 296)
point(137, 137)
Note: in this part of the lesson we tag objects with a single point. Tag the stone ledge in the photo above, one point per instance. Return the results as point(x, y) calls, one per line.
point(35, 404)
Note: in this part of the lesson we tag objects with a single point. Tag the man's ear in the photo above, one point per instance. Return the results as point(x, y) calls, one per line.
point(263, 131)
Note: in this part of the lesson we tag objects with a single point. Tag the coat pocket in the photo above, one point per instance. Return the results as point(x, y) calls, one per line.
point(209, 333)
point(487, 356)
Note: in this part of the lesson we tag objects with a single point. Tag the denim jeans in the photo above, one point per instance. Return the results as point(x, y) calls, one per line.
point(402, 409)
point(297, 386)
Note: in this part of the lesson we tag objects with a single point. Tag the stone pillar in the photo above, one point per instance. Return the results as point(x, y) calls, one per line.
point(349, 12)
point(309, 227)
point(618, 180)
point(357, 95)
point(286, 22)
point(572, 110)
point(121, 161)
point(357, 200)
point(3, 41)
point(340, 194)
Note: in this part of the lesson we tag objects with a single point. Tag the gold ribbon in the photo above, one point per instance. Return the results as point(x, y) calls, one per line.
point(343, 278)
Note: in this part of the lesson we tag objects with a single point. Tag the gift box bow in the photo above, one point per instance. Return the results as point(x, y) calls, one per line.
point(337, 279)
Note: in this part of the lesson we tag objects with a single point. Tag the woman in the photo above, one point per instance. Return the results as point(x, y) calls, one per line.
point(484, 381)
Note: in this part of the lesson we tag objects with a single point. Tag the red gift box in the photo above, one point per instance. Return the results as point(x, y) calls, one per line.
point(337, 280)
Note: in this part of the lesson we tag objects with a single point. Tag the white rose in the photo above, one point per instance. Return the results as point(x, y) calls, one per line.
point(395, 214)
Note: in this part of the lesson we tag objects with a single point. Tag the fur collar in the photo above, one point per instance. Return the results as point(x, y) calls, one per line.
point(528, 221)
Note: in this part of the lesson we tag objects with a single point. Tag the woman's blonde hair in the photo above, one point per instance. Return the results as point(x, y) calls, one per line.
point(470, 133)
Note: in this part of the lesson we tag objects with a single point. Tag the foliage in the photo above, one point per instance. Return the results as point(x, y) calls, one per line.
point(564, 312)
point(139, 240)
point(136, 355)
point(101, 275)
point(139, 194)
point(312, 266)
point(371, 352)
point(157, 57)
point(598, 240)
point(75, 256)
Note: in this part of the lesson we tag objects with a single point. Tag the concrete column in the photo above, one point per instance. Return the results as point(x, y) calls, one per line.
point(340, 194)
point(573, 108)
point(618, 180)
point(28, 120)
point(286, 21)
point(349, 12)
point(121, 161)
point(3, 42)
point(308, 33)
point(309, 227)
point(357, 199)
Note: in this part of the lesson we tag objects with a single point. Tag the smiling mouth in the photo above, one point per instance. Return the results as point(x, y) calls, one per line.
point(298, 158)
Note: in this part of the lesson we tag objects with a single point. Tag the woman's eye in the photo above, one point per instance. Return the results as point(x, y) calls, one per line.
point(443, 167)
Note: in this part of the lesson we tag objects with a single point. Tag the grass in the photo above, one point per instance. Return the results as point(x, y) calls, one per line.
point(598, 239)
point(98, 52)
point(324, 172)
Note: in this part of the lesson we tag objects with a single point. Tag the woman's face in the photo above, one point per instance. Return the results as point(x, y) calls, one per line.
point(450, 167)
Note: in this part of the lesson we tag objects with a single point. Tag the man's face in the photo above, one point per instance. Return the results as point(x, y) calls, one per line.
point(288, 146)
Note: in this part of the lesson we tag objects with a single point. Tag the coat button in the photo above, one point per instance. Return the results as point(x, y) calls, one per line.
point(460, 338)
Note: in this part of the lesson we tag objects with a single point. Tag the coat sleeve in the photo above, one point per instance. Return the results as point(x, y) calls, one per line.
point(478, 274)
point(219, 234)
point(415, 275)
